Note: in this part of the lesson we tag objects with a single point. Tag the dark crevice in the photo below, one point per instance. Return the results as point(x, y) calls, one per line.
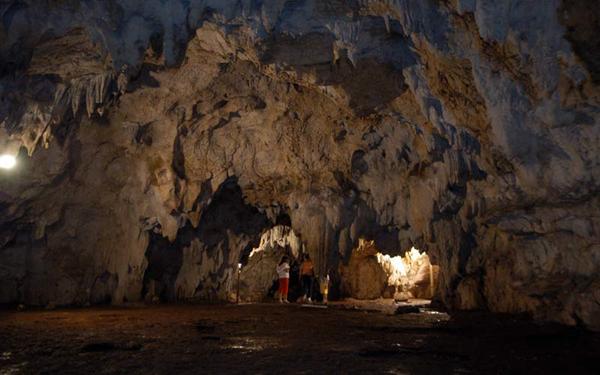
point(582, 22)
point(227, 224)
point(178, 163)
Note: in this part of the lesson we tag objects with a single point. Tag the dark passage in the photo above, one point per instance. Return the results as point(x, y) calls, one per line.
point(227, 224)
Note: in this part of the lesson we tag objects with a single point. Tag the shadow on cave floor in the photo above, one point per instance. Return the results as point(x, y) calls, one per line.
point(267, 338)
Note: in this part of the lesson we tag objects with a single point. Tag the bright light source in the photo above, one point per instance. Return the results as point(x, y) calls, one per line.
point(7, 161)
point(239, 266)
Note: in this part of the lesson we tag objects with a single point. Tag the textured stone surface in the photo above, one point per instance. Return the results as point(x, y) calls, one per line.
point(259, 272)
point(371, 274)
point(468, 128)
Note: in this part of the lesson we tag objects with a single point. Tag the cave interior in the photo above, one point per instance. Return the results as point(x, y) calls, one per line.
point(438, 160)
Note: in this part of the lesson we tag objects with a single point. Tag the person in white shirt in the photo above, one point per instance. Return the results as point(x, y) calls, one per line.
point(283, 272)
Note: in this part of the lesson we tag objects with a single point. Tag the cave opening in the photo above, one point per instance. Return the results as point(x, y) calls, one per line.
point(258, 279)
point(202, 261)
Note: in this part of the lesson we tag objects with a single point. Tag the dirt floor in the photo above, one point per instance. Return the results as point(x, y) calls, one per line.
point(279, 339)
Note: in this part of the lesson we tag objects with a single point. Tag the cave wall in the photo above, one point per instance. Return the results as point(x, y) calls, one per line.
point(468, 128)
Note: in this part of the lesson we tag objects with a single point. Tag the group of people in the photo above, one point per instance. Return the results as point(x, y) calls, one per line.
point(307, 273)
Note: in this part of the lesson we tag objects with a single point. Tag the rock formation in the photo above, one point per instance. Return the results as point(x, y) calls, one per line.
point(371, 274)
point(157, 141)
point(258, 274)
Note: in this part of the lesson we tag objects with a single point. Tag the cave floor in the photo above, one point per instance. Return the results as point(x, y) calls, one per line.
point(267, 338)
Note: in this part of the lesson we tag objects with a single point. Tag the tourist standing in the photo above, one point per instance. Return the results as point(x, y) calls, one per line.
point(307, 273)
point(283, 272)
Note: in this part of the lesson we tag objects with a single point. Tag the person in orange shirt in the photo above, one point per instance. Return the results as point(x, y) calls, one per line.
point(307, 273)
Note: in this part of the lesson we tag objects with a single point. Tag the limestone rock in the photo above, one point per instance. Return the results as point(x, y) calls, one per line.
point(468, 129)
point(370, 274)
point(259, 273)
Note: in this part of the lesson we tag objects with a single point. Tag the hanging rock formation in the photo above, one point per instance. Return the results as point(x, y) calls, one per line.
point(468, 128)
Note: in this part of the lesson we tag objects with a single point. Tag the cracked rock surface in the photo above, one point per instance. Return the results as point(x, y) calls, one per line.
point(157, 141)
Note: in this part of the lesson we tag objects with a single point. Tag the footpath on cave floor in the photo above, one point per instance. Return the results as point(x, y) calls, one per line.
point(273, 338)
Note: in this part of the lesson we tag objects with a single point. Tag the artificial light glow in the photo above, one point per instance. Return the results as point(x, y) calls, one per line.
point(7, 161)
point(239, 266)
point(399, 267)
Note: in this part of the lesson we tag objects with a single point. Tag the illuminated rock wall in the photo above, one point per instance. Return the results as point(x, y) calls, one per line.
point(371, 274)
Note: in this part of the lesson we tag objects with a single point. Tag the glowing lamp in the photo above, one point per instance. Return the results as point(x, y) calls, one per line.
point(7, 161)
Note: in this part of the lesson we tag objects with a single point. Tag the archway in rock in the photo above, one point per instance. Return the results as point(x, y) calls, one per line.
point(202, 261)
point(257, 273)
point(370, 274)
